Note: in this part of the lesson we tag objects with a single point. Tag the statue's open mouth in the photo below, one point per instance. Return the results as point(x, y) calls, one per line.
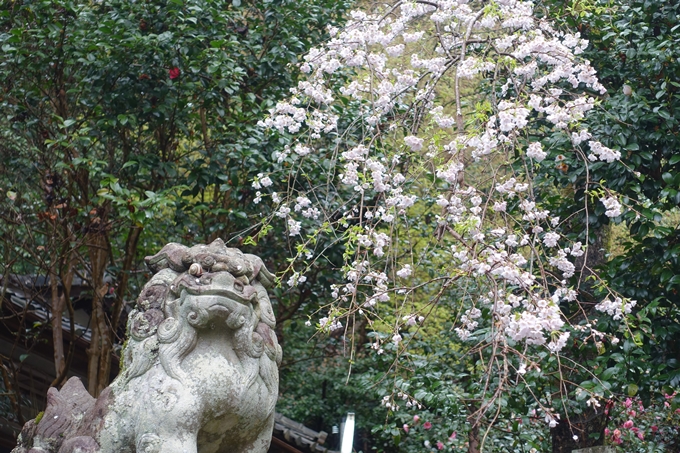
point(221, 284)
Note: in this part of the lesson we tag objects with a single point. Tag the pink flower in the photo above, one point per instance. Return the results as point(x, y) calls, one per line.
point(427, 425)
point(452, 436)
point(628, 403)
point(606, 431)
point(655, 428)
point(641, 435)
point(406, 428)
point(440, 446)
point(416, 419)
point(628, 424)
point(632, 413)
point(173, 73)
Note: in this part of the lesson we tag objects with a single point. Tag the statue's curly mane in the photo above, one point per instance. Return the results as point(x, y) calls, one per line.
point(161, 330)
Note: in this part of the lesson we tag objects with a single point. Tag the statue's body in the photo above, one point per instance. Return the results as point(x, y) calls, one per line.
point(200, 367)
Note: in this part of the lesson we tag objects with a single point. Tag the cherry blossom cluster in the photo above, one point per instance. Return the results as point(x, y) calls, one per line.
point(390, 402)
point(384, 118)
point(616, 308)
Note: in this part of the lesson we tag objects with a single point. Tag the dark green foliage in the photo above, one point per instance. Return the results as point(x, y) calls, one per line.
point(635, 47)
point(126, 125)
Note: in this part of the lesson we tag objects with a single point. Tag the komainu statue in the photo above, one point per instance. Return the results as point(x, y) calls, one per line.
point(200, 368)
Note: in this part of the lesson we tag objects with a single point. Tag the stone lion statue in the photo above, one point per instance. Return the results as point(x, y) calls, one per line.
point(200, 368)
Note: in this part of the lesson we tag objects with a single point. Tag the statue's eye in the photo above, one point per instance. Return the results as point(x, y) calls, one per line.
point(238, 286)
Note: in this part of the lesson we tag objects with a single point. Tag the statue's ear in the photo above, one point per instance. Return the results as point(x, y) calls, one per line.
point(260, 272)
point(170, 256)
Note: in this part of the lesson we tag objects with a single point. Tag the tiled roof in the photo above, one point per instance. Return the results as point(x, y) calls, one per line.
point(27, 293)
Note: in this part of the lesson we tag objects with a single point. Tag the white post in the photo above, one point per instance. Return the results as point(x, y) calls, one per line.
point(348, 434)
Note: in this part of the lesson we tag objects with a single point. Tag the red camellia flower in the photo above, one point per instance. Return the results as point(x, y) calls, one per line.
point(427, 425)
point(173, 73)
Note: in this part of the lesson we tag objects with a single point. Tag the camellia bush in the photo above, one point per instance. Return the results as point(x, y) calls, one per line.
point(425, 141)
point(125, 125)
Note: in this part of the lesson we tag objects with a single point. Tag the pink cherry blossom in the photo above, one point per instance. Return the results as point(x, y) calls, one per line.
point(501, 218)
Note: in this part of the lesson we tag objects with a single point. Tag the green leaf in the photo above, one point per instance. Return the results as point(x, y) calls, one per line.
point(667, 177)
point(609, 373)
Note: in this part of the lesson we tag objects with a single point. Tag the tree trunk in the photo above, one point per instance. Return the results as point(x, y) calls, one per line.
point(57, 306)
point(473, 435)
point(100, 347)
point(14, 398)
point(57, 303)
point(106, 335)
point(93, 354)
point(124, 275)
point(473, 439)
point(589, 427)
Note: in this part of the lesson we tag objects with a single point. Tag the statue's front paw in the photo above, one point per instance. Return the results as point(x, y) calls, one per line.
point(80, 444)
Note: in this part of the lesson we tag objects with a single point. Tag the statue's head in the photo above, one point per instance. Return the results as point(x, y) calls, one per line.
point(192, 289)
